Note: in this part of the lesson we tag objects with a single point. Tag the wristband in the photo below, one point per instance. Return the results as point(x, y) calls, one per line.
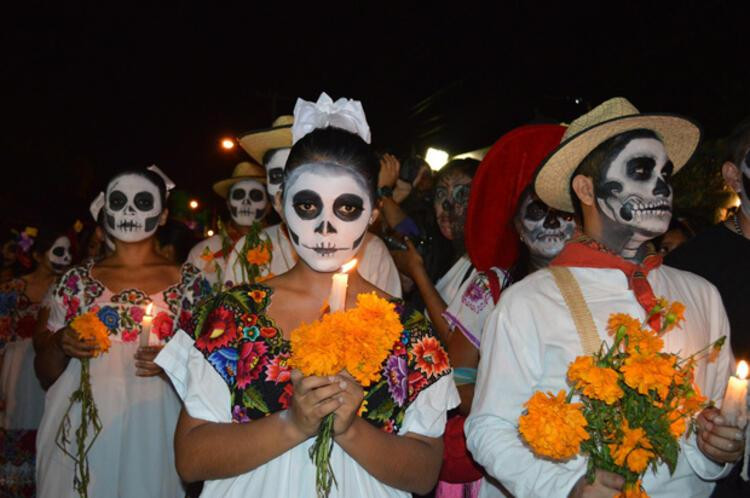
point(385, 191)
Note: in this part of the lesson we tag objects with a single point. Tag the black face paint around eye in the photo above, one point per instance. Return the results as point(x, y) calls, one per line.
point(117, 200)
point(276, 176)
point(307, 204)
point(348, 207)
point(238, 194)
point(59, 252)
point(144, 201)
point(256, 195)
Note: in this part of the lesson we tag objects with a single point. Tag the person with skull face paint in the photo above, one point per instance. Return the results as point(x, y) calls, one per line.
point(132, 456)
point(720, 255)
point(616, 164)
point(21, 397)
point(328, 202)
point(271, 148)
point(223, 258)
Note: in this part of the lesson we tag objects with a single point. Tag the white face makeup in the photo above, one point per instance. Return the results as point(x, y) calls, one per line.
point(275, 170)
point(59, 255)
point(133, 207)
point(247, 202)
point(544, 230)
point(327, 209)
point(634, 191)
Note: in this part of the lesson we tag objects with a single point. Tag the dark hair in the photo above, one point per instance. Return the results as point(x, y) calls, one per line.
point(738, 142)
point(177, 235)
point(604, 153)
point(338, 146)
point(465, 166)
point(46, 237)
point(148, 175)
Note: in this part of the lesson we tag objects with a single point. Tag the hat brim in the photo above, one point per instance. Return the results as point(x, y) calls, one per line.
point(257, 143)
point(680, 136)
point(222, 187)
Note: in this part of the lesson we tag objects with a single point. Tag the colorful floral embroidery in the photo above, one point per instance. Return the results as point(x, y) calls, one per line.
point(249, 352)
point(124, 311)
point(18, 315)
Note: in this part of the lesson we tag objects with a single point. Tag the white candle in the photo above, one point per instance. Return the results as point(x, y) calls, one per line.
point(337, 299)
point(734, 406)
point(145, 338)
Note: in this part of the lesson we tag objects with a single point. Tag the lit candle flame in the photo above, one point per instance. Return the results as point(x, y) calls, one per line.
point(149, 308)
point(742, 370)
point(349, 266)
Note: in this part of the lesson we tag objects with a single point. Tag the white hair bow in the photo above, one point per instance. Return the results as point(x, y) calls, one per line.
point(344, 113)
point(167, 181)
point(96, 206)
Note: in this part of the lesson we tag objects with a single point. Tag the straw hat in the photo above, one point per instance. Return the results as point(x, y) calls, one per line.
point(278, 136)
point(615, 116)
point(506, 170)
point(243, 171)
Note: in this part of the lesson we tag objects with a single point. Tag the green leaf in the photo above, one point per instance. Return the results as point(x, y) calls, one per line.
point(251, 398)
point(382, 413)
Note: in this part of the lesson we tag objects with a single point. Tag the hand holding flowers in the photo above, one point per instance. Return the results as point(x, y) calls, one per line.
point(314, 398)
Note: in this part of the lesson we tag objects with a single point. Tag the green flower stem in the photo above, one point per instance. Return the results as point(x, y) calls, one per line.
point(320, 454)
point(89, 417)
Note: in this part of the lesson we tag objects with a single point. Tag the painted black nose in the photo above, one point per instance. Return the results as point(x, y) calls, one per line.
point(662, 188)
point(448, 206)
point(551, 221)
point(325, 228)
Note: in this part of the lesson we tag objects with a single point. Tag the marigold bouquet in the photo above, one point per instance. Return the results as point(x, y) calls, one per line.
point(357, 340)
point(89, 326)
point(635, 402)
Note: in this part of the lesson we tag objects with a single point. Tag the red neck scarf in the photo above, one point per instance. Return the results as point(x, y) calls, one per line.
point(587, 253)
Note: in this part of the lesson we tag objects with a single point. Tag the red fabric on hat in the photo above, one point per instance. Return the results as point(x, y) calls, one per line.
point(506, 170)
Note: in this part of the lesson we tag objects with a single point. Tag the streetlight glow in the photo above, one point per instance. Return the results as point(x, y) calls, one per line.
point(193, 204)
point(227, 144)
point(436, 158)
point(210, 233)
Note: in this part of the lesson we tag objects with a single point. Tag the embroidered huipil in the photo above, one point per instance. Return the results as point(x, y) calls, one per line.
point(527, 344)
point(234, 370)
point(133, 455)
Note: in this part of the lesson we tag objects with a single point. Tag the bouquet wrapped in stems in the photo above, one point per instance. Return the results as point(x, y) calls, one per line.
point(357, 340)
point(635, 402)
point(88, 326)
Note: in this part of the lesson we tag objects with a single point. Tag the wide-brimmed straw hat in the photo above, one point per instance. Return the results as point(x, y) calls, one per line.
point(278, 136)
point(243, 171)
point(680, 136)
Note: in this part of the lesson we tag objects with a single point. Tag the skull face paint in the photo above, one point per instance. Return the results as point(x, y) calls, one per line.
point(451, 201)
point(247, 202)
point(544, 230)
point(133, 208)
point(275, 165)
point(59, 256)
point(327, 209)
point(634, 191)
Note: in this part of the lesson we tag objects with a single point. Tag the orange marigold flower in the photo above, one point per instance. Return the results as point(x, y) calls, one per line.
point(593, 381)
point(258, 255)
point(552, 427)
point(619, 320)
point(647, 372)
point(644, 342)
point(633, 450)
point(677, 428)
point(89, 326)
point(674, 315)
point(633, 490)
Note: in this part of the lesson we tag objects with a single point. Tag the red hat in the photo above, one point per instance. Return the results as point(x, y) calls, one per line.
point(506, 170)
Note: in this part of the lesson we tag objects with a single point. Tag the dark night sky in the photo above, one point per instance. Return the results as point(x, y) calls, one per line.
point(89, 90)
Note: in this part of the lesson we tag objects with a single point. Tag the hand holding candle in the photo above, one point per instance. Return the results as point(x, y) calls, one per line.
point(734, 406)
point(148, 318)
point(337, 299)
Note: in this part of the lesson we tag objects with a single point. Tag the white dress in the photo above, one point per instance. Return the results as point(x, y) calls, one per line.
point(527, 344)
point(376, 264)
point(133, 455)
point(202, 372)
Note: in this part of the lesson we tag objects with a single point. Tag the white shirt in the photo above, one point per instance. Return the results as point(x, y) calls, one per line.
point(527, 344)
point(211, 267)
point(376, 264)
point(291, 474)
